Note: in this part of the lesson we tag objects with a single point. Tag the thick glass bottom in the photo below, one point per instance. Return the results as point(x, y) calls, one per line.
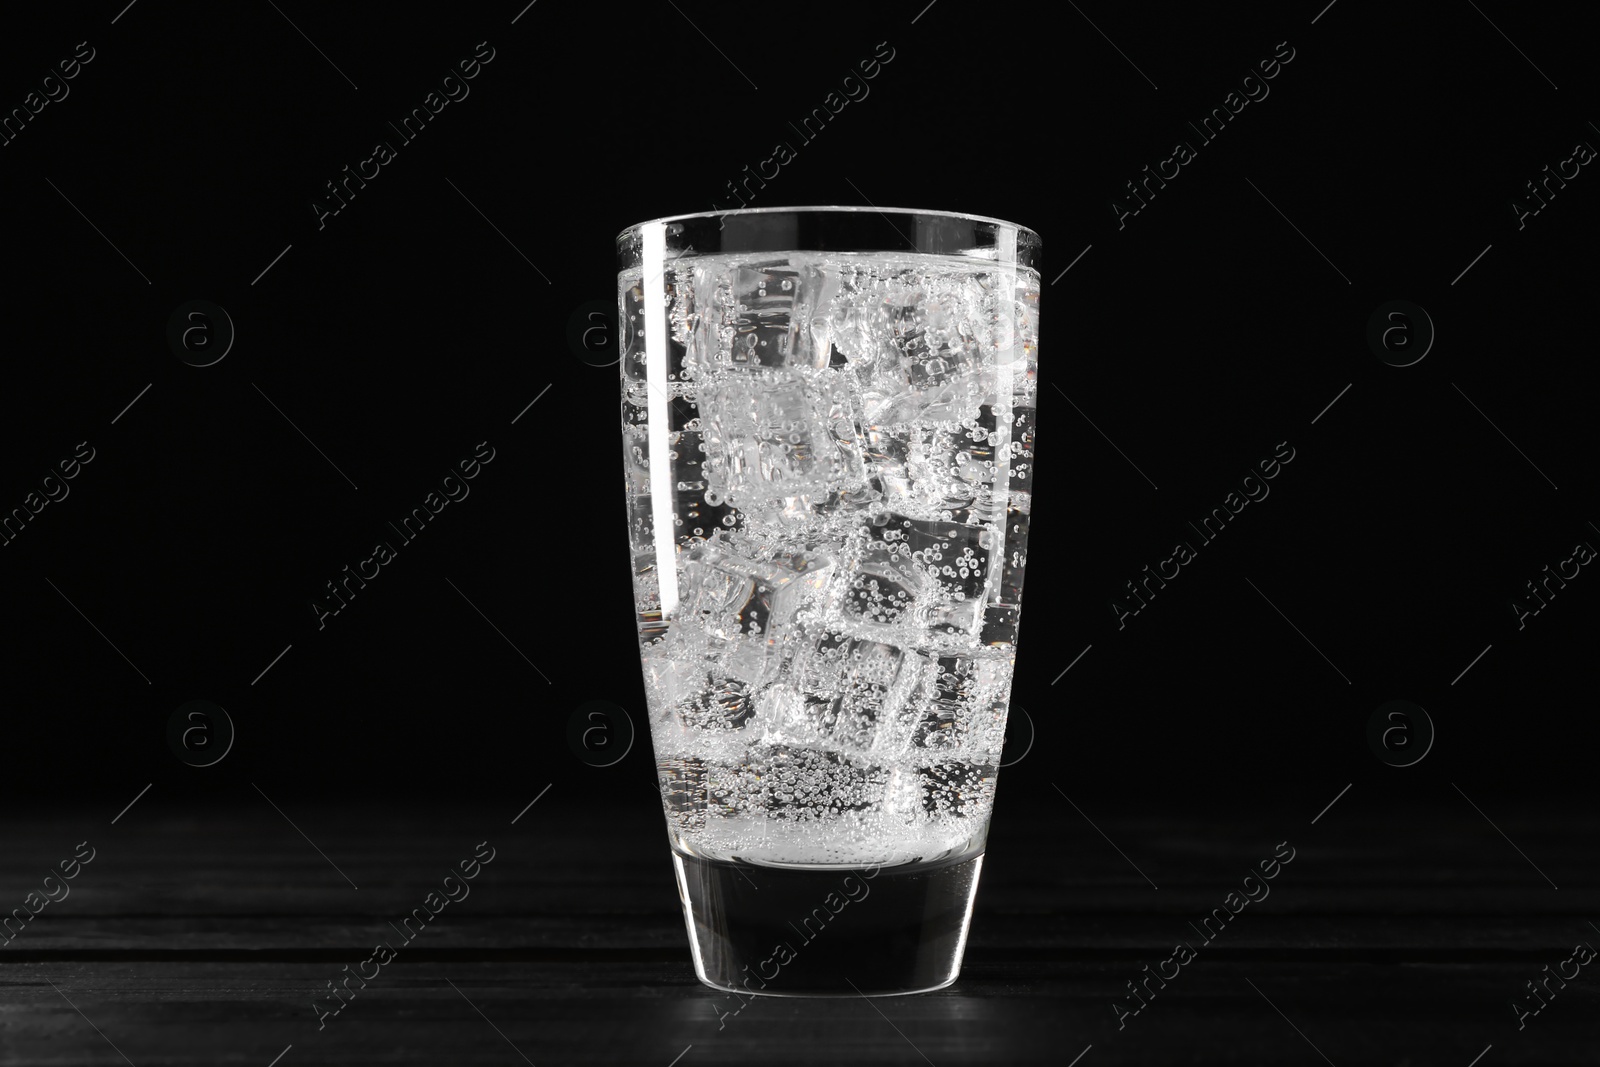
point(818, 932)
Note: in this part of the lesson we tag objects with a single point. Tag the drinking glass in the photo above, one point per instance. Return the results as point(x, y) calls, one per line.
point(828, 432)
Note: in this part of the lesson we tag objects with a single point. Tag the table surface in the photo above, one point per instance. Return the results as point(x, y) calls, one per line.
point(206, 937)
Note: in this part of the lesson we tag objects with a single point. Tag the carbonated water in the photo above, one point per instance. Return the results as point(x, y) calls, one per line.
point(828, 604)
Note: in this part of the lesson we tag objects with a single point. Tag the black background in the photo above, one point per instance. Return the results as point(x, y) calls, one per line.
point(1183, 346)
point(410, 327)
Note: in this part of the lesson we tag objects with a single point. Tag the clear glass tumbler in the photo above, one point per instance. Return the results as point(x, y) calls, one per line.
point(828, 430)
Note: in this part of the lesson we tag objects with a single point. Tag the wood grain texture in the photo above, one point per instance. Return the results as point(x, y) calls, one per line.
point(205, 938)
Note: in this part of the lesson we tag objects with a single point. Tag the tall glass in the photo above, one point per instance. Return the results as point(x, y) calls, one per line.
point(828, 426)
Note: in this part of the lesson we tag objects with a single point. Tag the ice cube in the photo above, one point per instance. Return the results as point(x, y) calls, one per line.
point(765, 315)
point(764, 323)
point(905, 573)
point(884, 449)
point(695, 681)
point(830, 516)
point(717, 702)
point(956, 558)
point(736, 597)
point(882, 587)
point(771, 439)
point(935, 472)
point(850, 688)
point(786, 514)
point(736, 613)
point(680, 668)
point(934, 338)
point(852, 315)
point(911, 340)
point(664, 675)
point(951, 401)
point(960, 704)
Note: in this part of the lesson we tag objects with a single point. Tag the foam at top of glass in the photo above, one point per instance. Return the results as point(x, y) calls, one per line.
point(840, 229)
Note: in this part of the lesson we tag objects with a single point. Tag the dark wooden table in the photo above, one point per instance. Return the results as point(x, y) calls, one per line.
point(197, 937)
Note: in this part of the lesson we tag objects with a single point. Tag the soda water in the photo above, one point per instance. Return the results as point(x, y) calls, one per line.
point(827, 572)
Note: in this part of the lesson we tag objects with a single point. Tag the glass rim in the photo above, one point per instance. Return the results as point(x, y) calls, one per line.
point(817, 209)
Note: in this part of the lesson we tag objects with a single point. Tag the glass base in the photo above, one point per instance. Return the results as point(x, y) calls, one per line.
point(822, 932)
